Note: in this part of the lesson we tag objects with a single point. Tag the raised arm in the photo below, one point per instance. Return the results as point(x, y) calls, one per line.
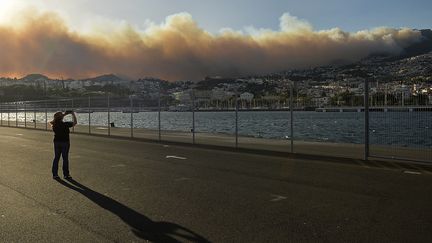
point(74, 119)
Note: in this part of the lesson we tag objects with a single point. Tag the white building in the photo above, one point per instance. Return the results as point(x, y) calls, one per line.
point(183, 97)
point(75, 84)
point(246, 96)
point(220, 94)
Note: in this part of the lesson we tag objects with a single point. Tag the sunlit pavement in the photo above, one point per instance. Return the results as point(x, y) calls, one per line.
point(125, 190)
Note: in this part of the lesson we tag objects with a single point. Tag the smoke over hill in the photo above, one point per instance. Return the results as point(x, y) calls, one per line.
point(179, 49)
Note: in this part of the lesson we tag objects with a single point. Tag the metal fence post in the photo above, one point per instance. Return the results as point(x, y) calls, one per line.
point(385, 95)
point(159, 114)
point(2, 111)
point(403, 98)
point(193, 117)
point(16, 113)
point(2, 107)
point(109, 115)
point(131, 115)
point(25, 114)
point(72, 108)
point(8, 107)
point(292, 117)
point(366, 119)
point(34, 115)
point(89, 116)
point(46, 115)
point(236, 121)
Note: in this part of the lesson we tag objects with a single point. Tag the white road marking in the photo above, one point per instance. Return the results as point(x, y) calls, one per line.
point(183, 179)
point(20, 134)
point(277, 198)
point(412, 172)
point(175, 157)
point(118, 165)
point(166, 146)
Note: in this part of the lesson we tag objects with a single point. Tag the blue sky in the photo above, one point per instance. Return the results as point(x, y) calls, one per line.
point(213, 15)
point(348, 15)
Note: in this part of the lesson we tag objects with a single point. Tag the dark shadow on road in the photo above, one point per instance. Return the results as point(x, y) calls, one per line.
point(142, 226)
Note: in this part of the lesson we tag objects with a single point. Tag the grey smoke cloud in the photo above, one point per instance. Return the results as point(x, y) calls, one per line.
point(180, 49)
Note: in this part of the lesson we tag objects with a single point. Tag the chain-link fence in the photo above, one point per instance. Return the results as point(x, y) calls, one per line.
point(400, 125)
point(398, 129)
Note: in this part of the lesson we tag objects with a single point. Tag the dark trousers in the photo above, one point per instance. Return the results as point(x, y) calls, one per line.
point(61, 148)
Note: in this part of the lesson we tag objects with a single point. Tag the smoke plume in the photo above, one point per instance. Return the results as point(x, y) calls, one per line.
point(179, 49)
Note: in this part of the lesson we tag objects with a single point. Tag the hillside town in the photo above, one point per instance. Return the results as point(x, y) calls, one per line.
point(406, 81)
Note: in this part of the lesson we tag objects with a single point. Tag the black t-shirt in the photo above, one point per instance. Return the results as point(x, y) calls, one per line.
point(61, 131)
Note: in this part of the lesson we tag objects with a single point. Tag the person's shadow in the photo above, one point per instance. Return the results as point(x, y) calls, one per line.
point(141, 226)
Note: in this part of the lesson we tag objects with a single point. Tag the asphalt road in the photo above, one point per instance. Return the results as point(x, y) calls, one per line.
point(131, 191)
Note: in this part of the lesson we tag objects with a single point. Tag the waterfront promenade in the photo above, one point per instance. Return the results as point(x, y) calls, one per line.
point(249, 143)
point(129, 190)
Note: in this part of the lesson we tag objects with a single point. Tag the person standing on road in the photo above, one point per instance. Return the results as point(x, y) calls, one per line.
point(62, 142)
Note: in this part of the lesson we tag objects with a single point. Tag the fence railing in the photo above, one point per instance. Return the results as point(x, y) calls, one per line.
point(357, 132)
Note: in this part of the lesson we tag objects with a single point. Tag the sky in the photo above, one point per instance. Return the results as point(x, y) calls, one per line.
point(348, 15)
point(189, 39)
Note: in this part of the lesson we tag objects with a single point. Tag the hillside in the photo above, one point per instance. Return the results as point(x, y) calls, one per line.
point(419, 48)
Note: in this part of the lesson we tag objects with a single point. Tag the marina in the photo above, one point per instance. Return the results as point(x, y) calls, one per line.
point(377, 109)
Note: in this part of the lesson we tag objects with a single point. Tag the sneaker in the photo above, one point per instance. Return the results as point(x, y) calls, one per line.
point(68, 177)
point(56, 177)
